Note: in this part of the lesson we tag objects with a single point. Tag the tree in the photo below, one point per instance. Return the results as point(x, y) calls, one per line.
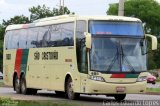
point(16, 20)
point(2, 30)
point(149, 12)
point(43, 12)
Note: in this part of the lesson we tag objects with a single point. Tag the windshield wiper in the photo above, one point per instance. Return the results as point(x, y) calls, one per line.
point(125, 58)
point(117, 55)
point(113, 61)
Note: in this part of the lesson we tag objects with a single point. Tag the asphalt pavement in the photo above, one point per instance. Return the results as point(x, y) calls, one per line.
point(84, 100)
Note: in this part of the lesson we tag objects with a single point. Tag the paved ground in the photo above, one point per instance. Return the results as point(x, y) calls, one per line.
point(84, 99)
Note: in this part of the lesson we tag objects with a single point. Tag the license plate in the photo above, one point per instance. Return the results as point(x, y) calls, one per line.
point(120, 89)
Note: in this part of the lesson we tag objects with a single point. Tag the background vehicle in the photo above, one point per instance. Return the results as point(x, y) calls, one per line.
point(151, 78)
point(76, 55)
point(1, 75)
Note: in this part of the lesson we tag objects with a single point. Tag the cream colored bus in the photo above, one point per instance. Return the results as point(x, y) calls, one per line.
point(75, 55)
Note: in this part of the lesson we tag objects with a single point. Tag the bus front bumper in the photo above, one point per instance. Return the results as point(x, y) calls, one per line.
point(95, 87)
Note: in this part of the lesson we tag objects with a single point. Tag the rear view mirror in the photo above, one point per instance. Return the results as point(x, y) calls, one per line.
point(88, 40)
point(153, 41)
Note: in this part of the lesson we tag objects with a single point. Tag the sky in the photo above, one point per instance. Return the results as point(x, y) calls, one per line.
point(11, 8)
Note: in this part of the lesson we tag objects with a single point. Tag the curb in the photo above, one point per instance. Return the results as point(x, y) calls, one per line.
point(152, 93)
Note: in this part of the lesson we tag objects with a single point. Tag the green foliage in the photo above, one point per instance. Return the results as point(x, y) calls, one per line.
point(10, 102)
point(149, 12)
point(1, 83)
point(16, 20)
point(1, 54)
point(153, 90)
point(7, 102)
point(158, 79)
point(43, 11)
point(2, 30)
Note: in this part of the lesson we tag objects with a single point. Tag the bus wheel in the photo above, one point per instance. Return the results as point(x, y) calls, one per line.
point(24, 88)
point(31, 91)
point(17, 85)
point(69, 90)
point(59, 93)
point(119, 97)
point(23, 85)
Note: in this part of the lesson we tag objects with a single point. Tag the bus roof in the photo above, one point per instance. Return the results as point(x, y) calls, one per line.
point(69, 18)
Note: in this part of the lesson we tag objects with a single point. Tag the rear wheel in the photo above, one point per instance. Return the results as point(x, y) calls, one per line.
point(17, 85)
point(69, 90)
point(60, 93)
point(24, 88)
point(119, 97)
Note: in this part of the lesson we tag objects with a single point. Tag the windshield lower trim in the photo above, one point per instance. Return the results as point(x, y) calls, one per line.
point(111, 72)
point(117, 36)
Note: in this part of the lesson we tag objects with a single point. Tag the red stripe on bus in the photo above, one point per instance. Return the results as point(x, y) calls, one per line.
point(118, 75)
point(18, 61)
point(25, 26)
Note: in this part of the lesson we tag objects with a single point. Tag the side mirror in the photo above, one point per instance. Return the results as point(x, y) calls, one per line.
point(153, 41)
point(88, 40)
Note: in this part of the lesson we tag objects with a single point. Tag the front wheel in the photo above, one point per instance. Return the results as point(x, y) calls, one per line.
point(69, 90)
point(119, 97)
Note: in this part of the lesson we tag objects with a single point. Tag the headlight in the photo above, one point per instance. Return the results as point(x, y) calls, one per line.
point(96, 78)
point(141, 78)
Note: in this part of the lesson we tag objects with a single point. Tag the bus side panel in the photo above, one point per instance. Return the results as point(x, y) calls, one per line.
point(48, 67)
point(66, 64)
point(34, 69)
point(8, 66)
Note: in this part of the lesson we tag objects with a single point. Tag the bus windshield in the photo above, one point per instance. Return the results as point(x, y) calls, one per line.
point(113, 53)
point(117, 55)
point(116, 28)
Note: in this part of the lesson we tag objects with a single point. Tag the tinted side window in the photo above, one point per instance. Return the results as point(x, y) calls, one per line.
point(23, 38)
point(43, 36)
point(13, 44)
point(80, 29)
point(32, 38)
point(62, 34)
point(80, 47)
point(8, 36)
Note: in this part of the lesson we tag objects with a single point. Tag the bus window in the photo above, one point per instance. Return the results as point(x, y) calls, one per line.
point(80, 46)
point(80, 29)
point(32, 38)
point(23, 38)
point(14, 44)
point(43, 36)
point(62, 34)
point(67, 34)
point(8, 39)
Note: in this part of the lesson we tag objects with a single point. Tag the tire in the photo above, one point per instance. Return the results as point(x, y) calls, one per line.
point(17, 85)
point(32, 91)
point(60, 93)
point(119, 97)
point(24, 89)
point(69, 90)
point(153, 82)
